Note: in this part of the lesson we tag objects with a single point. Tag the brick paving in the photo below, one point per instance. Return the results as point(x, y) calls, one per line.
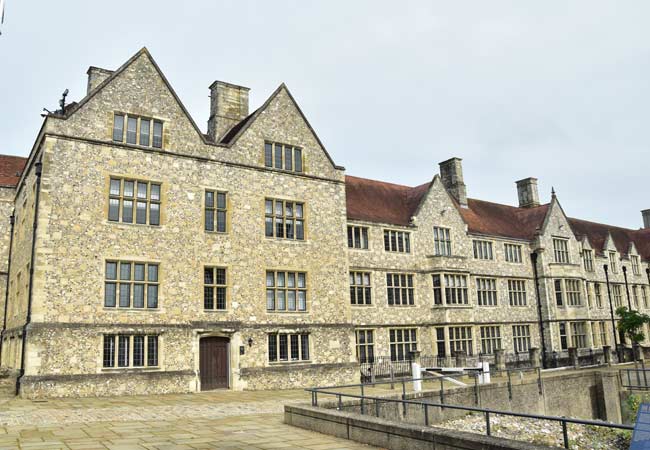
point(219, 419)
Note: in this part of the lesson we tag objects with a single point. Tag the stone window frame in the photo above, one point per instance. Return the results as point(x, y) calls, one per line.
point(397, 241)
point(285, 289)
point(150, 201)
point(517, 295)
point(588, 259)
point(490, 336)
point(604, 335)
point(521, 339)
point(442, 241)
point(402, 341)
point(513, 253)
point(297, 161)
point(405, 287)
point(153, 124)
point(461, 339)
point(450, 289)
point(635, 296)
point(367, 347)
point(294, 218)
point(216, 287)
point(561, 250)
point(216, 210)
point(362, 239)
point(635, 263)
point(568, 292)
point(579, 334)
point(112, 353)
point(360, 282)
point(644, 296)
point(598, 295)
point(132, 282)
point(275, 344)
point(483, 249)
point(486, 291)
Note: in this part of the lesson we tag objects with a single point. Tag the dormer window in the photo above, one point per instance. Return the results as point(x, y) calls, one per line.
point(138, 130)
point(561, 250)
point(282, 157)
point(588, 259)
point(635, 264)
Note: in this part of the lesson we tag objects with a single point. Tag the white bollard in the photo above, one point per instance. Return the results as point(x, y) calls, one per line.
point(484, 377)
point(416, 372)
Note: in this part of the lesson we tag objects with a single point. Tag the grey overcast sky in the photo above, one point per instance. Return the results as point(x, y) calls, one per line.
point(558, 90)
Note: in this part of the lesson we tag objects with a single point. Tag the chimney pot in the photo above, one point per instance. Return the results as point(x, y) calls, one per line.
point(228, 106)
point(451, 174)
point(646, 218)
point(96, 75)
point(528, 193)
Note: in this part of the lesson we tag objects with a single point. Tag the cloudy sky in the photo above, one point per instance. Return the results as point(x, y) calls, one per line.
point(557, 90)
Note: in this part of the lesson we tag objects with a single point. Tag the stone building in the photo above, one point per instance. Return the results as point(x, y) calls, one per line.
point(144, 256)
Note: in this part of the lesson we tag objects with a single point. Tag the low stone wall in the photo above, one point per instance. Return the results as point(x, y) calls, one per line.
point(291, 376)
point(394, 435)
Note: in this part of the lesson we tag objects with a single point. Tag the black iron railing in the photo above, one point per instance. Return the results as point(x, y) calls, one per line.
point(368, 403)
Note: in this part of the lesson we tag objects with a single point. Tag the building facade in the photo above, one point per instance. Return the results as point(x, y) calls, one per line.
point(143, 256)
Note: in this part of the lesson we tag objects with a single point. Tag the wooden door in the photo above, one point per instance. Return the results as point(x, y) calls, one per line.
point(213, 362)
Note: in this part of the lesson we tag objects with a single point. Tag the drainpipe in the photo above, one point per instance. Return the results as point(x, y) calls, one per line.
point(533, 257)
point(627, 288)
point(38, 167)
point(611, 312)
point(4, 317)
point(647, 272)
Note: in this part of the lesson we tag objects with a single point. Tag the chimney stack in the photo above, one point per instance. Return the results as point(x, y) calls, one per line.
point(528, 193)
point(96, 75)
point(451, 174)
point(646, 218)
point(228, 106)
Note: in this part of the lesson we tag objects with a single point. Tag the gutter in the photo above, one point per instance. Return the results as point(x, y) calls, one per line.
point(12, 220)
point(39, 170)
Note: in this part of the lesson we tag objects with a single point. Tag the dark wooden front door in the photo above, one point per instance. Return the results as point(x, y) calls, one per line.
point(213, 360)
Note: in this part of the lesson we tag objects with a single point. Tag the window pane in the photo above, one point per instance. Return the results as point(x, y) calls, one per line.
point(300, 230)
point(118, 127)
point(111, 270)
point(131, 126)
point(288, 158)
point(125, 271)
point(152, 350)
point(280, 279)
point(128, 188)
point(142, 190)
point(221, 221)
point(127, 211)
point(221, 200)
point(114, 209)
point(278, 156)
point(153, 272)
point(281, 305)
point(302, 301)
point(209, 220)
point(145, 124)
point(141, 213)
point(221, 298)
point(125, 295)
point(221, 276)
point(270, 299)
point(301, 280)
point(304, 346)
point(268, 228)
point(298, 158)
point(109, 351)
point(291, 300)
point(115, 187)
point(268, 154)
point(138, 351)
point(209, 199)
point(273, 347)
point(152, 296)
point(208, 297)
point(154, 214)
point(109, 295)
point(270, 278)
point(155, 192)
point(138, 296)
point(123, 351)
point(299, 210)
point(208, 275)
point(157, 134)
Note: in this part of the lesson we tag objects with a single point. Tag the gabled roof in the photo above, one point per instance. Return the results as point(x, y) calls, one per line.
point(11, 167)
point(495, 219)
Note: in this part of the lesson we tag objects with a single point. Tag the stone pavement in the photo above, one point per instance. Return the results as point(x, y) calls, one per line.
point(219, 419)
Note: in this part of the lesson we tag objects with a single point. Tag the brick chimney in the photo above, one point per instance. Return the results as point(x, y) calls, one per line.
point(451, 174)
point(95, 77)
point(228, 106)
point(528, 193)
point(646, 218)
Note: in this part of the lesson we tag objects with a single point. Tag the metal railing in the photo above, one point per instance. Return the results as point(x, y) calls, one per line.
point(366, 402)
point(635, 378)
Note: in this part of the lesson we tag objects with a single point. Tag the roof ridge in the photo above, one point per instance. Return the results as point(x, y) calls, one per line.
point(606, 225)
point(386, 182)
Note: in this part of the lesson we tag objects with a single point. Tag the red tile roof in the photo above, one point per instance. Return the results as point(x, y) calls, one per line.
point(11, 168)
point(377, 201)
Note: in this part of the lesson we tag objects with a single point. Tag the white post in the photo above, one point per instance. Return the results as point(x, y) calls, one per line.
point(416, 372)
point(484, 376)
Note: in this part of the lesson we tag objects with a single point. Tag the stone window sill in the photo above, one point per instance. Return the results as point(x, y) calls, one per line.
point(133, 310)
point(126, 225)
point(130, 369)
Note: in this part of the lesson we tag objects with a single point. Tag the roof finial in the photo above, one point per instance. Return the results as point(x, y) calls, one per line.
point(552, 192)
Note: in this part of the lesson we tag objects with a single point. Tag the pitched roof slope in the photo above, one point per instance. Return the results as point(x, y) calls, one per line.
point(377, 201)
point(11, 168)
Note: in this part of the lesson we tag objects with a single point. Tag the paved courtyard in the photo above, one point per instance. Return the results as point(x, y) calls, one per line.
point(219, 419)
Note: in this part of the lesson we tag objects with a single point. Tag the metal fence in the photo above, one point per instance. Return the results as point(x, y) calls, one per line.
point(635, 378)
point(369, 404)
